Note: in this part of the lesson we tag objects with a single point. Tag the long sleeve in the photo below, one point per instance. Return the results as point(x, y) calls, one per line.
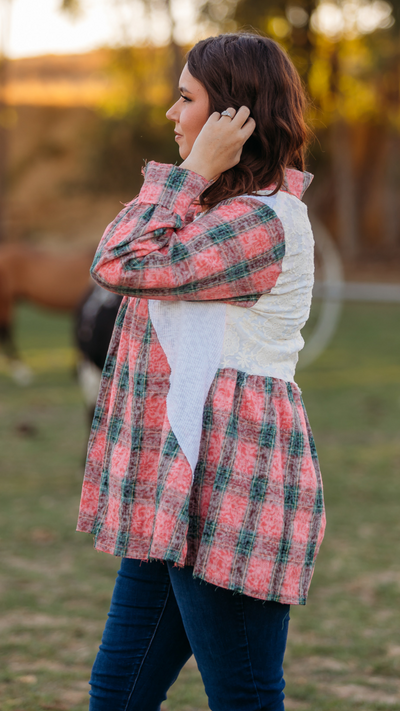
point(232, 253)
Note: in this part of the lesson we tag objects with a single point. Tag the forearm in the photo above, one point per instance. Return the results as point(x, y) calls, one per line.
point(147, 223)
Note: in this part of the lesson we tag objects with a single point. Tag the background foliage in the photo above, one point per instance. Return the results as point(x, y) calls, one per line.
point(347, 53)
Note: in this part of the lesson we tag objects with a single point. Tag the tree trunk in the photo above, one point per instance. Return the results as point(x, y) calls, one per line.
point(5, 15)
point(342, 166)
point(391, 217)
point(3, 146)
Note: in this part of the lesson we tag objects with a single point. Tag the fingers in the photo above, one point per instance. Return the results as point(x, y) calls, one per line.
point(242, 115)
point(248, 128)
point(240, 119)
point(246, 123)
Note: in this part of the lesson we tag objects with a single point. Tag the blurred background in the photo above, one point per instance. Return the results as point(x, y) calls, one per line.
point(84, 86)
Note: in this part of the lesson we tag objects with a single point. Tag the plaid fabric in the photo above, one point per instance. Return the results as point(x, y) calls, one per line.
point(253, 519)
point(154, 249)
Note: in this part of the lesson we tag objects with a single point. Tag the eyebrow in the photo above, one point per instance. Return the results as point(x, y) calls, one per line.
point(182, 88)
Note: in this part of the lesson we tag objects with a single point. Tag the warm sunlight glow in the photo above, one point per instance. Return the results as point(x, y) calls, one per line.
point(351, 18)
point(39, 27)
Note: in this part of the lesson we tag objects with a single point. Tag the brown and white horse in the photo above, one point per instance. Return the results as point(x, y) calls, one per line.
point(43, 277)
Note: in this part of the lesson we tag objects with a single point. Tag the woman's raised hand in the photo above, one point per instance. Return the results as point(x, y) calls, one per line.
point(219, 144)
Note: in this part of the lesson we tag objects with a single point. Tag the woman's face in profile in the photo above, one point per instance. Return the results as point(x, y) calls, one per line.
point(190, 112)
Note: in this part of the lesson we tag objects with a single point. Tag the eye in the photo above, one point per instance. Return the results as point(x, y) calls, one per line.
point(185, 98)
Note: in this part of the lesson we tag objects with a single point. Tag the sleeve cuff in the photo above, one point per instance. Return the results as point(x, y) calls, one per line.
point(171, 187)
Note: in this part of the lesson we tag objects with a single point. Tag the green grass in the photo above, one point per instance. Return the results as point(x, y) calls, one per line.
point(344, 646)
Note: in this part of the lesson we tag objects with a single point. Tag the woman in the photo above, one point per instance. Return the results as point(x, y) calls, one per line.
point(201, 460)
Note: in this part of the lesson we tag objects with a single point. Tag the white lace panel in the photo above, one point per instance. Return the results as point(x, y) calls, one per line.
point(191, 335)
point(266, 339)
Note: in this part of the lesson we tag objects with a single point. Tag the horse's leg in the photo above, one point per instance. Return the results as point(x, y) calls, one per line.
point(7, 342)
point(21, 373)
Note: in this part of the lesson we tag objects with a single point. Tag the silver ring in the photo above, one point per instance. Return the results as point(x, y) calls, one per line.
point(226, 113)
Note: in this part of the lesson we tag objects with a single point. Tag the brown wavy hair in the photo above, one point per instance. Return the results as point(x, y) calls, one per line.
point(250, 70)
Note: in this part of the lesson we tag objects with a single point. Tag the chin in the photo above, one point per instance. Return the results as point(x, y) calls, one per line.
point(183, 152)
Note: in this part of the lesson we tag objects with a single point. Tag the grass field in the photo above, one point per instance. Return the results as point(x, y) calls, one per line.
point(344, 646)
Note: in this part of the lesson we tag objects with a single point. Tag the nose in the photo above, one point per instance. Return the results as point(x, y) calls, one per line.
point(173, 113)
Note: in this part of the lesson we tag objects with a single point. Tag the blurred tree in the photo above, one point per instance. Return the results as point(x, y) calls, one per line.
point(133, 126)
point(348, 55)
point(75, 7)
point(351, 82)
point(5, 11)
point(144, 84)
point(71, 6)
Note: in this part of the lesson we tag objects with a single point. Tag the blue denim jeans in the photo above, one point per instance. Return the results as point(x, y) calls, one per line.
point(160, 615)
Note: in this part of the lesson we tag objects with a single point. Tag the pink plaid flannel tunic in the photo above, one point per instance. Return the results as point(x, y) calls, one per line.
point(253, 519)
